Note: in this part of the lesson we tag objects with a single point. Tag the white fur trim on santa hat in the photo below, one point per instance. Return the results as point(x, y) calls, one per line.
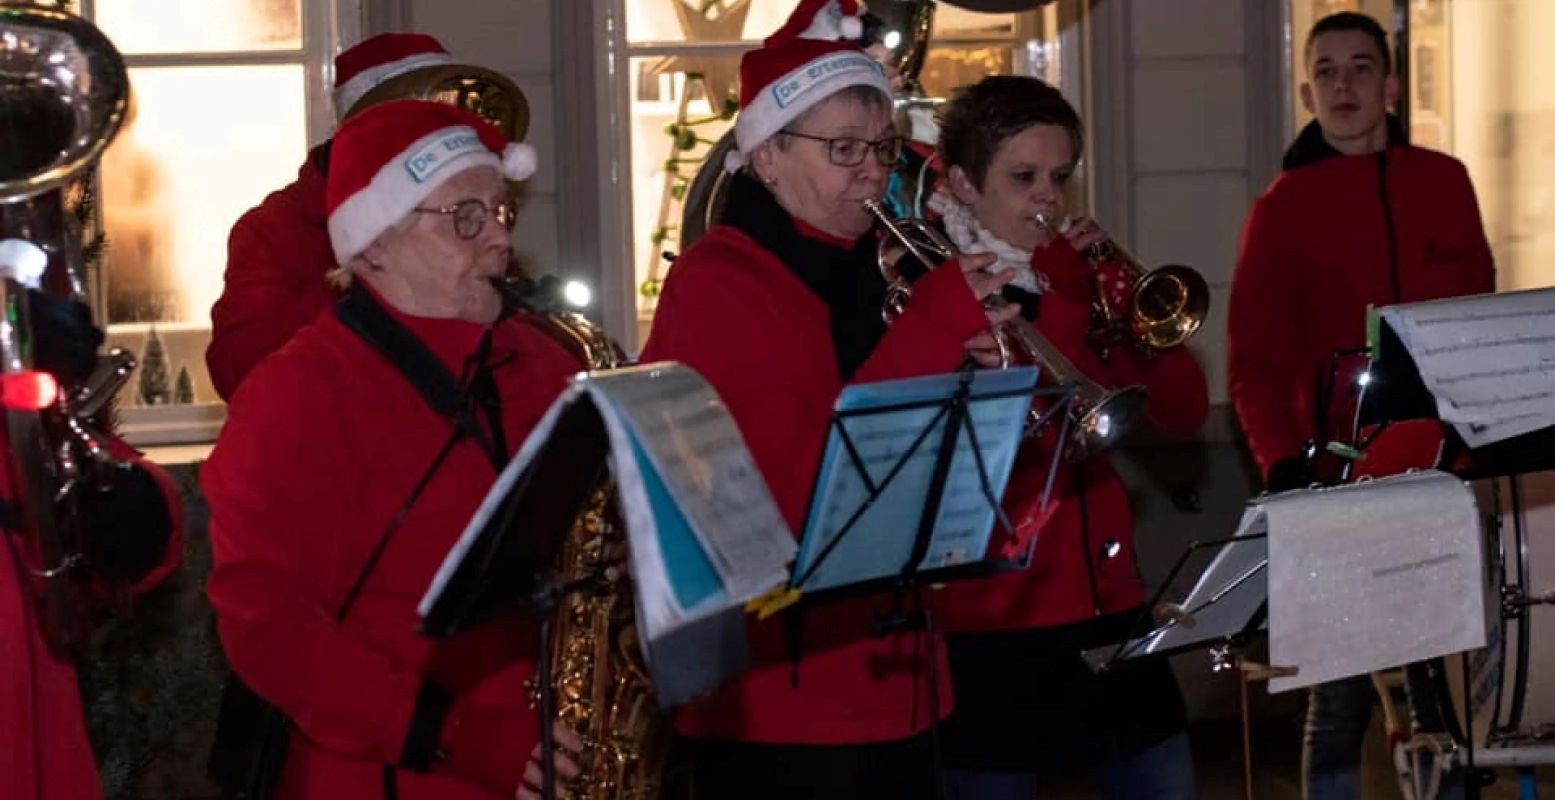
point(795, 93)
point(363, 82)
point(830, 25)
point(519, 161)
point(401, 184)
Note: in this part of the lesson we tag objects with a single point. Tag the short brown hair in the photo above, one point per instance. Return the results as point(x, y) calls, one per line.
point(979, 118)
point(1351, 21)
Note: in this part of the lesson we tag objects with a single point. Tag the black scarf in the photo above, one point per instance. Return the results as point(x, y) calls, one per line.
point(847, 281)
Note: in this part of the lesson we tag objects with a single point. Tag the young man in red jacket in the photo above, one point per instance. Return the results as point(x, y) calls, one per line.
point(1357, 218)
point(278, 252)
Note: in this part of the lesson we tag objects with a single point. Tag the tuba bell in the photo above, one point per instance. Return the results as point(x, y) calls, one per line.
point(64, 92)
point(1099, 418)
point(480, 91)
point(1166, 306)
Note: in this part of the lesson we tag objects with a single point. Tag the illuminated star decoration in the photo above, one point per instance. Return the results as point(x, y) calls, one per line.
point(720, 74)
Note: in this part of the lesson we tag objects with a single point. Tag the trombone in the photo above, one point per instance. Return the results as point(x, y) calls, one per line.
point(1099, 418)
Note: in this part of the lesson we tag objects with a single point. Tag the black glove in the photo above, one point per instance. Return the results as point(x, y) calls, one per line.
point(1292, 472)
point(126, 525)
point(65, 341)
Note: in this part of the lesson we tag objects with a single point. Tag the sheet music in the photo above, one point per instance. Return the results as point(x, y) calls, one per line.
point(1373, 575)
point(880, 542)
point(680, 424)
point(1225, 596)
point(1489, 360)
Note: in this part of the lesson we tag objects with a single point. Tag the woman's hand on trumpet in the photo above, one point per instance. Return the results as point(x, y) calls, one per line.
point(567, 745)
point(1083, 233)
point(982, 348)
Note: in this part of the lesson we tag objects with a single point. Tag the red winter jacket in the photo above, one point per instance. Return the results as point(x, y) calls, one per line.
point(1083, 564)
point(44, 752)
point(738, 316)
point(322, 446)
point(277, 257)
point(1332, 235)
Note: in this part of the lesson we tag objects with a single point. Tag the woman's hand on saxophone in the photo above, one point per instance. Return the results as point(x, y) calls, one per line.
point(567, 743)
point(986, 285)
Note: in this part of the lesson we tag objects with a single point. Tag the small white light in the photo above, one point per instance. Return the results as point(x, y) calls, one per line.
point(1364, 379)
point(23, 262)
point(1103, 426)
point(577, 294)
point(892, 39)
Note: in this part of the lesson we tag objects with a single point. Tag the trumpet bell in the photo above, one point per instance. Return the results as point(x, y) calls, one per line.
point(1105, 420)
point(1169, 305)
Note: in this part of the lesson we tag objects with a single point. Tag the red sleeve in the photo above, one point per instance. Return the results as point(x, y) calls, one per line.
point(1262, 365)
point(275, 284)
point(930, 336)
point(275, 486)
point(1178, 400)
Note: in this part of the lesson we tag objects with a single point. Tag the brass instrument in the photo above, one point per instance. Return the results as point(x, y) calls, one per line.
point(64, 93)
point(1099, 418)
point(603, 689)
point(483, 92)
point(1166, 307)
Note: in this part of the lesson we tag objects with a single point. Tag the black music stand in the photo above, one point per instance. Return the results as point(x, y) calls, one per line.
point(507, 566)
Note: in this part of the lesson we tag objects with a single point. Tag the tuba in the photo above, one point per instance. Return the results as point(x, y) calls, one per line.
point(602, 686)
point(64, 93)
point(480, 91)
point(1166, 306)
point(1098, 417)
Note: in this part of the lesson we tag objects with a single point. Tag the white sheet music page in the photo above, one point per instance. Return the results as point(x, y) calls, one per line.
point(1489, 360)
point(1373, 575)
point(687, 433)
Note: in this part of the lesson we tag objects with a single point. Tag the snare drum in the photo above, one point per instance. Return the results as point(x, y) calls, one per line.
point(1510, 686)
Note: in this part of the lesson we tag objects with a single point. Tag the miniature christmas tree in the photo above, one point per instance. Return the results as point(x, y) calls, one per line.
point(153, 373)
point(183, 388)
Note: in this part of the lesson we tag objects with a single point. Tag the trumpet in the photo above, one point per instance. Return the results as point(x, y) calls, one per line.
point(1099, 417)
point(1166, 306)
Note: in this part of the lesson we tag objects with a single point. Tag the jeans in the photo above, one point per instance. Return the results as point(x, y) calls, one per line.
point(1338, 714)
point(1160, 772)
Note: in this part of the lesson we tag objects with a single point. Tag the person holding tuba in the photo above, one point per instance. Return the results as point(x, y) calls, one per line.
point(131, 536)
point(1028, 709)
point(1358, 217)
point(279, 252)
point(779, 307)
point(338, 485)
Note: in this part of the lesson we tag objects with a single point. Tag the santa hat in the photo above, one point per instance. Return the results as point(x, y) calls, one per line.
point(812, 57)
point(372, 61)
point(387, 159)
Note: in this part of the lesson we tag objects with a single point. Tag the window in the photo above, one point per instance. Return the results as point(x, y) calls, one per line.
point(681, 88)
point(226, 97)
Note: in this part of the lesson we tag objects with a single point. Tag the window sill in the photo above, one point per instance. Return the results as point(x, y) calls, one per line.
point(173, 426)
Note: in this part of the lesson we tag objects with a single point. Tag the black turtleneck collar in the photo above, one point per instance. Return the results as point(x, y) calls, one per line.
point(1310, 147)
point(847, 280)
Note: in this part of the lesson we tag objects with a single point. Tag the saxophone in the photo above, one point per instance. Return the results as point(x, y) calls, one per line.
point(602, 686)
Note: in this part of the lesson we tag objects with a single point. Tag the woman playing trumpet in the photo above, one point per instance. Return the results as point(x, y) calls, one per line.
point(1028, 709)
point(779, 307)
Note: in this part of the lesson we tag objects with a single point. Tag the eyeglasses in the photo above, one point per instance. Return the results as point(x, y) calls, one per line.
point(849, 151)
point(470, 216)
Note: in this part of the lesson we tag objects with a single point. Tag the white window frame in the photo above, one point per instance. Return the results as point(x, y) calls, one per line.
point(325, 24)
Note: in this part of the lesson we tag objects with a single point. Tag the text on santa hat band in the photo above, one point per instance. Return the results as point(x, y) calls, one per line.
point(438, 152)
point(799, 81)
